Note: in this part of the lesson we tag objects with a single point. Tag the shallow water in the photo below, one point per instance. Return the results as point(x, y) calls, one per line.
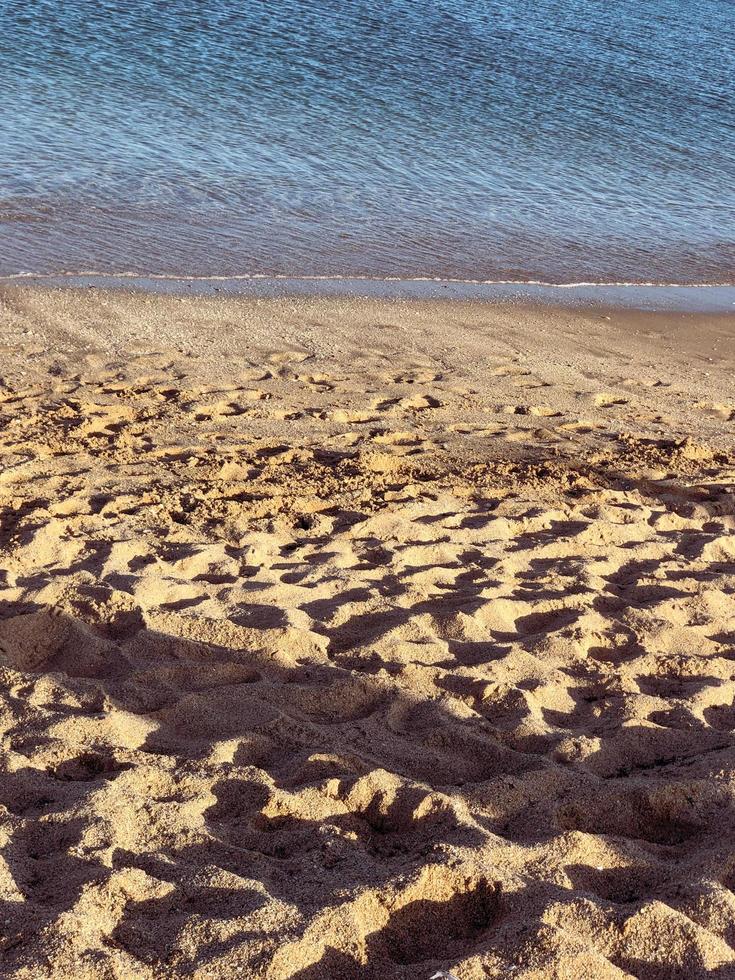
point(660, 298)
point(560, 141)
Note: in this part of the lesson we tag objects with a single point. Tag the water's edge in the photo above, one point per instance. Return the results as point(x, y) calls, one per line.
point(672, 297)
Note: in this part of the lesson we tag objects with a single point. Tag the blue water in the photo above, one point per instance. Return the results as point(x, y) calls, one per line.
point(560, 140)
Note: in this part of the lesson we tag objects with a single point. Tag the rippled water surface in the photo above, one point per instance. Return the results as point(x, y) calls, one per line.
point(561, 140)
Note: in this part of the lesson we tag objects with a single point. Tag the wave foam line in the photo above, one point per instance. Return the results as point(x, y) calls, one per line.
point(280, 277)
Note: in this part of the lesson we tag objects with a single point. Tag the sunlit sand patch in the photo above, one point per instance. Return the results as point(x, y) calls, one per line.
point(372, 670)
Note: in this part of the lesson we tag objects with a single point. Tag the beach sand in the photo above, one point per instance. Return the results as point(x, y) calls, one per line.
point(350, 638)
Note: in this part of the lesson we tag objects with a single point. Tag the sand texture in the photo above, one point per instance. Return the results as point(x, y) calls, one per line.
point(356, 639)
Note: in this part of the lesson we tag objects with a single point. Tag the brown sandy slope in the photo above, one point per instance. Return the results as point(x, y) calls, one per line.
point(348, 639)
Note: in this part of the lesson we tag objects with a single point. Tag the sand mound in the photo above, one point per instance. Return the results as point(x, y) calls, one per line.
point(361, 675)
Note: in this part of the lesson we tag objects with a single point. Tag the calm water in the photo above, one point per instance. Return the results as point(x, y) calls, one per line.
point(560, 140)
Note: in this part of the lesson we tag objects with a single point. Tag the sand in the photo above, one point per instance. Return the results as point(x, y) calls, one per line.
point(362, 639)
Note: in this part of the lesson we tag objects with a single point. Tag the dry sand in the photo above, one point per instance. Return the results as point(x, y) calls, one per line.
point(359, 639)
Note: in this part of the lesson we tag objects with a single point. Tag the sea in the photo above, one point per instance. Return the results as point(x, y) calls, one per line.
point(549, 141)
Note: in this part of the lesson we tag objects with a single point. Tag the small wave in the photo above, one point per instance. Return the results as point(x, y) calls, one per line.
point(288, 277)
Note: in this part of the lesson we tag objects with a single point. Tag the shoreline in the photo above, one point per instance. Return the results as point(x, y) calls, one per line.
point(672, 297)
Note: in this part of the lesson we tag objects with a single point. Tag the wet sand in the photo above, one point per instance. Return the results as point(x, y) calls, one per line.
point(365, 639)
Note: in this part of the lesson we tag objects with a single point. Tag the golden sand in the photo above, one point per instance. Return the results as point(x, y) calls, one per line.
point(359, 639)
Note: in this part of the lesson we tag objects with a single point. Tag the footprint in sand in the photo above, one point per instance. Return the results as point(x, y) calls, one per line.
point(318, 382)
point(254, 374)
point(717, 410)
point(528, 383)
point(415, 403)
point(510, 370)
point(31, 638)
point(609, 401)
point(281, 357)
point(415, 377)
point(397, 438)
point(475, 429)
point(539, 411)
point(645, 382)
point(385, 404)
point(204, 410)
point(419, 403)
point(105, 419)
point(208, 412)
point(353, 417)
